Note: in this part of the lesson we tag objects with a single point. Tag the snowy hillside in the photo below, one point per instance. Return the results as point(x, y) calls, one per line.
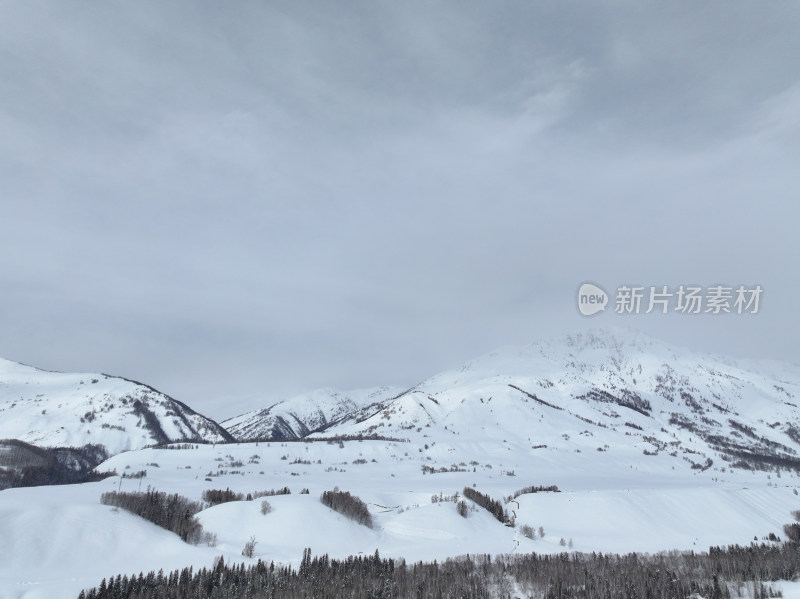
point(298, 416)
point(605, 391)
point(53, 409)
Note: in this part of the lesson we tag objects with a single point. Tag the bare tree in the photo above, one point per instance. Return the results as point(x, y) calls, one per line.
point(249, 547)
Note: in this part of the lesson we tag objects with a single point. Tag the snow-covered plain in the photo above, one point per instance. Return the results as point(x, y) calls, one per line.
point(630, 479)
point(58, 540)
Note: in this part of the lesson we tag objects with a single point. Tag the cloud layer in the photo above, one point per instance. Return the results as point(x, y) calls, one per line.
point(263, 198)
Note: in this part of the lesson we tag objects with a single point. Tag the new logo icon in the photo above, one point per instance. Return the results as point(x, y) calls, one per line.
point(591, 299)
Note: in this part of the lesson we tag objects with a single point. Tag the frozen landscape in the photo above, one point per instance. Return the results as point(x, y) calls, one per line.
point(651, 447)
point(297, 300)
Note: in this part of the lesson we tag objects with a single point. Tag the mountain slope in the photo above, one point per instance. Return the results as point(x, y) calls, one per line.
point(600, 391)
point(53, 409)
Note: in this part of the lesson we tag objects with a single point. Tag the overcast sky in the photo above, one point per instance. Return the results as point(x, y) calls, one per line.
point(252, 199)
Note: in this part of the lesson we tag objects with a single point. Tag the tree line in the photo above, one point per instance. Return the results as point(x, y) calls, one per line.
point(173, 512)
point(533, 489)
point(217, 496)
point(494, 507)
point(26, 465)
point(720, 573)
point(347, 505)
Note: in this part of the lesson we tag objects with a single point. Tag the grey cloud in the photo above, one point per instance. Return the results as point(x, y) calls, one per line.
point(258, 199)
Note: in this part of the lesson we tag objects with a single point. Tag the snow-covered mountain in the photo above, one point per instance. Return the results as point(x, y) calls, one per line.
point(603, 390)
point(299, 416)
point(650, 446)
point(53, 409)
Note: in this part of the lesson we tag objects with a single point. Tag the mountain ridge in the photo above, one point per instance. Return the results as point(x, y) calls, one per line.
point(603, 389)
point(634, 392)
point(300, 415)
point(56, 409)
